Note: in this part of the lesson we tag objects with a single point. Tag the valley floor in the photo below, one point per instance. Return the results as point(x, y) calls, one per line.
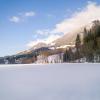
point(50, 82)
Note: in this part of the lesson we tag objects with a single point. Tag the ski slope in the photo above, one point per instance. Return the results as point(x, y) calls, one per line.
point(50, 82)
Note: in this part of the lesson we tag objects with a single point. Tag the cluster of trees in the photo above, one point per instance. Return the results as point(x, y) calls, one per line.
point(68, 56)
point(88, 47)
point(74, 53)
point(91, 41)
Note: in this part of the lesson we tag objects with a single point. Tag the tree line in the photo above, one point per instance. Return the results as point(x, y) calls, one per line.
point(87, 47)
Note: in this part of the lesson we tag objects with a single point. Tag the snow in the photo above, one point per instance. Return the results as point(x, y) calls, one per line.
point(66, 46)
point(50, 82)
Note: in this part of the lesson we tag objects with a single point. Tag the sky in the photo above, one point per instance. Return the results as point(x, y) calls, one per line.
point(24, 23)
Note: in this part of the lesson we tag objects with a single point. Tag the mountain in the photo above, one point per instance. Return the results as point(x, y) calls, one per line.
point(66, 39)
point(24, 52)
point(69, 38)
point(39, 45)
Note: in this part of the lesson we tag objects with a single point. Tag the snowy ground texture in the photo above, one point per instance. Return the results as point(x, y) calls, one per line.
point(50, 82)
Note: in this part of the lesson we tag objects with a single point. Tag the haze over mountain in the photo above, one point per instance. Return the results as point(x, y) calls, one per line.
point(66, 39)
point(39, 45)
point(69, 38)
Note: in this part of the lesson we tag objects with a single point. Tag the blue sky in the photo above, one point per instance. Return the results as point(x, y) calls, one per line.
point(22, 22)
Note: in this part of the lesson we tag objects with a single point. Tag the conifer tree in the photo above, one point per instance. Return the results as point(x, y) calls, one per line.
point(78, 45)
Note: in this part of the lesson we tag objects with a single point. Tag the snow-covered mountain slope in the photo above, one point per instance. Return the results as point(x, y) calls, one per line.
point(39, 45)
point(69, 38)
point(66, 39)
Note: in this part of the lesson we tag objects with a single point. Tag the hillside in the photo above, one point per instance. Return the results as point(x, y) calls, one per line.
point(67, 39)
point(39, 45)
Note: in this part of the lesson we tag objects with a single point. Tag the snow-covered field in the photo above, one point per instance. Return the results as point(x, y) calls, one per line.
point(50, 82)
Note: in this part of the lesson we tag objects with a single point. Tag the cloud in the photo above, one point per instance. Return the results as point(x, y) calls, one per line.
point(30, 14)
point(43, 32)
point(15, 19)
point(47, 40)
point(22, 16)
point(79, 19)
point(49, 37)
